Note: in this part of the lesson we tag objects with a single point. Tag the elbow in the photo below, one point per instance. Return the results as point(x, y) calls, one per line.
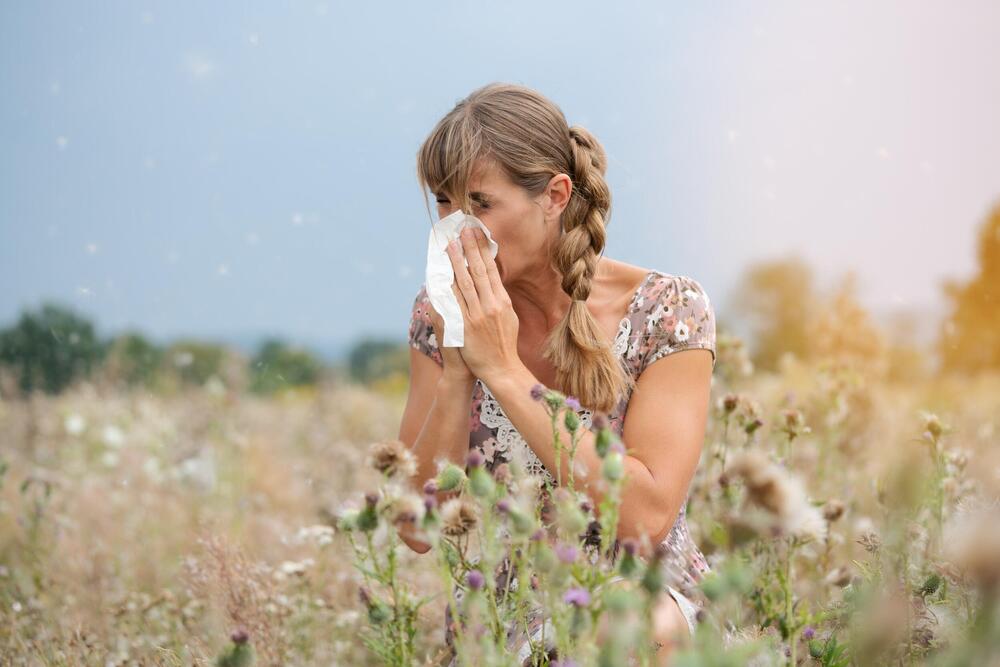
point(416, 545)
point(655, 521)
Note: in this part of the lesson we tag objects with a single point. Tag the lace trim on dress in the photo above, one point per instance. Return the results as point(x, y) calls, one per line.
point(510, 442)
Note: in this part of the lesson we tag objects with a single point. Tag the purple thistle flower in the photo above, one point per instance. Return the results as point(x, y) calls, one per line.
point(631, 545)
point(566, 553)
point(430, 502)
point(538, 535)
point(474, 459)
point(430, 487)
point(600, 421)
point(572, 403)
point(809, 632)
point(579, 597)
point(503, 505)
point(475, 579)
point(537, 391)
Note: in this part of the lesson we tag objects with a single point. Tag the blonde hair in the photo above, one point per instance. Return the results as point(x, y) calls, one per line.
point(526, 135)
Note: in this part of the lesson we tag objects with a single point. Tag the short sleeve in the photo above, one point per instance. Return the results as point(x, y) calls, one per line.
point(422, 330)
point(682, 319)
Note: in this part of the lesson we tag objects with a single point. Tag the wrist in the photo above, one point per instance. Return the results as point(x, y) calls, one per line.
point(456, 384)
point(510, 379)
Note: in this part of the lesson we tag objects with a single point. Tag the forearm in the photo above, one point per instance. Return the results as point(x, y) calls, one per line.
point(640, 510)
point(445, 434)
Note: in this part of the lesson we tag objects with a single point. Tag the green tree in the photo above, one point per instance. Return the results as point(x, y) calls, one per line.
point(47, 350)
point(969, 340)
point(133, 359)
point(278, 365)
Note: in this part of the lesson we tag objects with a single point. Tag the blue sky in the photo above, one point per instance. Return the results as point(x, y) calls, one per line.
point(237, 168)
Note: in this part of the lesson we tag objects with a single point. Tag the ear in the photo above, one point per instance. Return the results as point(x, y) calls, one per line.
point(557, 194)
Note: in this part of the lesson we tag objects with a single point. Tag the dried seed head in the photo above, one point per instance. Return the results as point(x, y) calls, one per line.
point(458, 517)
point(392, 458)
point(833, 510)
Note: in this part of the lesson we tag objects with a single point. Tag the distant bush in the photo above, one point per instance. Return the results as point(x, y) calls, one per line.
point(372, 360)
point(47, 350)
point(194, 362)
point(278, 365)
point(133, 359)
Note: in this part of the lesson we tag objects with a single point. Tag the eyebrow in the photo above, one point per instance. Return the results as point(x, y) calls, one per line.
point(475, 195)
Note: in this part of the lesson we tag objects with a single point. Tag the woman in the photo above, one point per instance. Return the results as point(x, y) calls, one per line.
point(551, 309)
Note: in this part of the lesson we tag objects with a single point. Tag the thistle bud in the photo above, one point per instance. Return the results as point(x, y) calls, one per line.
point(613, 467)
point(572, 421)
point(450, 477)
point(481, 483)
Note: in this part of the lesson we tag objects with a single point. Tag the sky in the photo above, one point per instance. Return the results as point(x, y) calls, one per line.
point(237, 169)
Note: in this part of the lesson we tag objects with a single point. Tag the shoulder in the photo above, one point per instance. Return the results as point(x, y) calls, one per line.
point(677, 314)
point(421, 330)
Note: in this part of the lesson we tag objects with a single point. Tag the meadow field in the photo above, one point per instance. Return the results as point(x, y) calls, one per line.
point(139, 528)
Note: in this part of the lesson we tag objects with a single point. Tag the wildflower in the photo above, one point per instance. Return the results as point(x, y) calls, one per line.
point(599, 421)
point(430, 487)
point(475, 580)
point(474, 459)
point(75, 424)
point(781, 495)
point(933, 425)
point(458, 517)
point(538, 535)
point(566, 553)
point(572, 421)
point(572, 403)
point(537, 391)
point(870, 541)
point(613, 467)
point(378, 611)
point(323, 535)
point(578, 597)
point(392, 457)
point(367, 518)
point(293, 568)
point(240, 636)
point(833, 510)
point(839, 577)
point(809, 632)
point(729, 402)
point(450, 477)
point(407, 508)
point(593, 535)
point(503, 506)
point(974, 546)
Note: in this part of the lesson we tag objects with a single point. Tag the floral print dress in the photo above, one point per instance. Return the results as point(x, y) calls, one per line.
point(667, 313)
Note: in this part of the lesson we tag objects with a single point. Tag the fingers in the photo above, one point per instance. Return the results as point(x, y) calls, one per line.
point(466, 287)
point(477, 267)
point(491, 266)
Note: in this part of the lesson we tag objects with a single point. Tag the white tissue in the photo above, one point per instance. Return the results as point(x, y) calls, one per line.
point(441, 275)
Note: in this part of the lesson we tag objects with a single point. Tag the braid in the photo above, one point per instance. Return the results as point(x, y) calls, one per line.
point(584, 218)
point(585, 364)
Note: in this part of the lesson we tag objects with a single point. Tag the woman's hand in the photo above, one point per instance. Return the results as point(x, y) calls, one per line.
point(454, 365)
point(491, 324)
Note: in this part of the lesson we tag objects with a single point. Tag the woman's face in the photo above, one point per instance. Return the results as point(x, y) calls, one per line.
point(516, 222)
